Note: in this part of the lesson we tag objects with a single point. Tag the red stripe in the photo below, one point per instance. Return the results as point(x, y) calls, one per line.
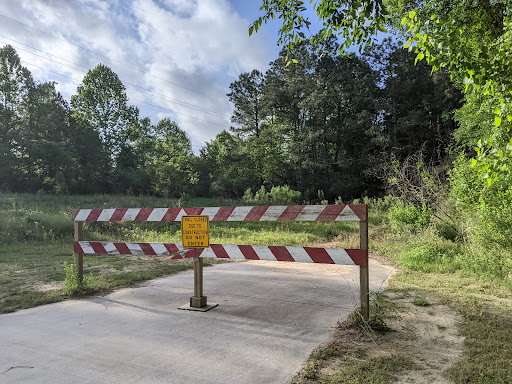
point(319, 255)
point(291, 212)
point(118, 214)
point(77, 248)
point(223, 213)
point(123, 248)
point(171, 214)
point(330, 212)
point(147, 249)
point(281, 253)
point(255, 213)
point(93, 216)
point(74, 212)
point(98, 247)
point(359, 210)
point(143, 214)
point(219, 251)
point(196, 252)
point(248, 252)
point(193, 211)
point(172, 248)
point(358, 256)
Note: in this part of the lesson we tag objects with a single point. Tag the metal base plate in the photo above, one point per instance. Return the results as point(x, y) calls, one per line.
point(207, 307)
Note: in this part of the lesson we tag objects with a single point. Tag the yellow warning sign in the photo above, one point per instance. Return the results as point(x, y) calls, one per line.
point(195, 231)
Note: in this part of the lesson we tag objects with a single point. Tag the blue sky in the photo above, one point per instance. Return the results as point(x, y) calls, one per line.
point(176, 57)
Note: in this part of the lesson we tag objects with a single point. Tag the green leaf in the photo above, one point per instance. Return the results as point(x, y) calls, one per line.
point(381, 28)
point(412, 14)
point(473, 163)
point(404, 21)
point(497, 121)
point(251, 29)
point(497, 111)
point(294, 61)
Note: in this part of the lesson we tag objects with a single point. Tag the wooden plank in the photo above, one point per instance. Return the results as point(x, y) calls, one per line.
point(364, 281)
point(78, 226)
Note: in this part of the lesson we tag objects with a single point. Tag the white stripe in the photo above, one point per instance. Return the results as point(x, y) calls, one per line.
point(157, 214)
point(264, 253)
point(110, 248)
point(310, 213)
point(210, 212)
point(233, 251)
point(339, 256)
point(181, 213)
point(86, 247)
point(159, 249)
point(208, 253)
point(273, 212)
point(347, 215)
point(299, 254)
point(106, 214)
point(135, 249)
point(239, 214)
point(130, 214)
point(82, 214)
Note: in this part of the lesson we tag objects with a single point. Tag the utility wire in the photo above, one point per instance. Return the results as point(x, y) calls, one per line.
point(184, 103)
point(139, 88)
point(113, 60)
point(145, 102)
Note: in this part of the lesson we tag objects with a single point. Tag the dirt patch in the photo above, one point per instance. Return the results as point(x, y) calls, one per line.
point(427, 331)
point(422, 334)
point(53, 286)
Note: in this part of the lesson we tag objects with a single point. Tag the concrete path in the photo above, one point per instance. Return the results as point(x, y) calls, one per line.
point(270, 317)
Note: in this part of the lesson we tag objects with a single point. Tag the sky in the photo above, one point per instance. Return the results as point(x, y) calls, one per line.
point(176, 58)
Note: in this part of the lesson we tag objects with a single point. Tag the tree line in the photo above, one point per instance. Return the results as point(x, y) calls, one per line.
point(325, 126)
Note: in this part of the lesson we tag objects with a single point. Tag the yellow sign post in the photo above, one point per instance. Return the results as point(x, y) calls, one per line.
point(195, 232)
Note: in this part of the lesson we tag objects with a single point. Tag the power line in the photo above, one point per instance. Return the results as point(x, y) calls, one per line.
point(113, 60)
point(145, 102)
point(158, 95)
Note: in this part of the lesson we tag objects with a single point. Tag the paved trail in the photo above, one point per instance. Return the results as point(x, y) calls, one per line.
point(270, 317)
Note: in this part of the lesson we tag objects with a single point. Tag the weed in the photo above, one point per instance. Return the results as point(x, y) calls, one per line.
point(421, 302)
point(71, 282)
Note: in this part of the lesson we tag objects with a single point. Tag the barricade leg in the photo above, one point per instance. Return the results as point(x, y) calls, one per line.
point(198, 300)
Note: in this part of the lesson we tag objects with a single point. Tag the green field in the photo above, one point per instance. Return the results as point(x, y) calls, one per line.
point(36, 240)
point(36, 237)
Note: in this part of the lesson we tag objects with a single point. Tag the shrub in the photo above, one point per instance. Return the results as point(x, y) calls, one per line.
point(408, 215)
point(282, 195)
point(433, 256)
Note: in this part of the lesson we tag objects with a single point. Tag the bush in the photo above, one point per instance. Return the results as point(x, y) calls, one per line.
point(433, 256)
point(409, 216)
point(282, 195)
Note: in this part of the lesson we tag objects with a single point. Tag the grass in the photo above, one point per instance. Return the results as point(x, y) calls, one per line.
point(36, 235)
point(35, 241)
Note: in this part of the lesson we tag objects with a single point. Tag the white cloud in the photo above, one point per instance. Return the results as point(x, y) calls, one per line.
point(166, 46)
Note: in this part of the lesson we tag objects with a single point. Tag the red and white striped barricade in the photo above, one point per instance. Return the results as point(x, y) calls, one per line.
point(230, 251)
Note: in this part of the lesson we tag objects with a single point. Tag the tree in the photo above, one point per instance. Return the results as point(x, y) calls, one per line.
point(172, 157)
point(102, 101)
point(356, 21)
point(247, 96)
point(15, 84)
point(45, 139)
point(416, 104)
point(228, 166)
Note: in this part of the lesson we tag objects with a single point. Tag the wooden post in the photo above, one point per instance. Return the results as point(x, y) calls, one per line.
point(364, 283)
point(79, 256)
point(198, 300)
